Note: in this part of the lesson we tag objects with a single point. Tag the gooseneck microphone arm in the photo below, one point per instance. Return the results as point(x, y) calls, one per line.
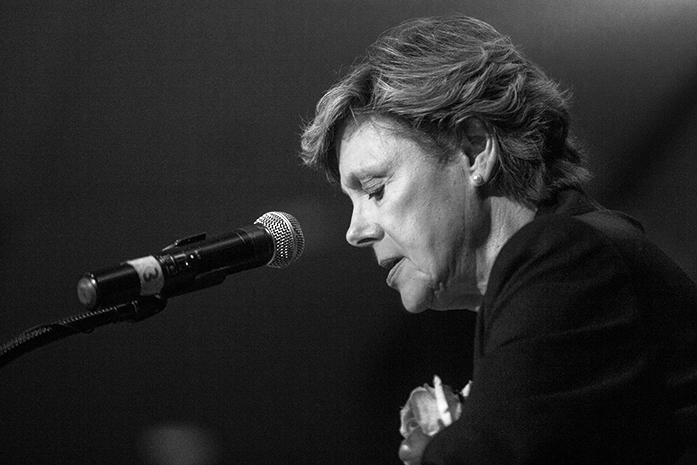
point(139, 289)
point(41, 335)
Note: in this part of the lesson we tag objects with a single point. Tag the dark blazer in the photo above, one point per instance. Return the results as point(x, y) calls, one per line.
point(585, 349)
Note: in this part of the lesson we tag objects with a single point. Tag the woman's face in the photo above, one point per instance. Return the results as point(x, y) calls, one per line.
point(417, 214)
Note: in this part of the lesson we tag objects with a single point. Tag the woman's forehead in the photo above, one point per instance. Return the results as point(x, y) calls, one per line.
point(369, 144)
point(373, 124)
point(359, 162)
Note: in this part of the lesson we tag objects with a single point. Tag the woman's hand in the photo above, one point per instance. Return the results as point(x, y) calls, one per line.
point(427, 411)
point(412, 448)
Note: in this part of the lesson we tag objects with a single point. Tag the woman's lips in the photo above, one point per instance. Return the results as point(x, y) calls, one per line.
point(394, 266)
point(389, 263)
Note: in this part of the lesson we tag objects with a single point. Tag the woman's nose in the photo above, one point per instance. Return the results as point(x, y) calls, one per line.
point(362, 232)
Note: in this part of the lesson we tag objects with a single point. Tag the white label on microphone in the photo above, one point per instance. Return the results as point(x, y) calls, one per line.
point(150, 274)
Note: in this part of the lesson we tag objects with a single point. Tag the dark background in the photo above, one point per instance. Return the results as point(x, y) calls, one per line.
point(127, 125)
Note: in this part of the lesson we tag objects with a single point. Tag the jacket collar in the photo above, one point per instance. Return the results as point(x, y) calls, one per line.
point(567, 202)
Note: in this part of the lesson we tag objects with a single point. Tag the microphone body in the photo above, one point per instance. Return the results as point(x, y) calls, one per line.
point(195, 263)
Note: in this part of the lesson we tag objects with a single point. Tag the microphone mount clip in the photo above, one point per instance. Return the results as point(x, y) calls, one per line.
point(186, 241)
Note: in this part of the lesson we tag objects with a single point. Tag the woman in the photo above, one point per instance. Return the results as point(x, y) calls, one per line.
point(454, 151)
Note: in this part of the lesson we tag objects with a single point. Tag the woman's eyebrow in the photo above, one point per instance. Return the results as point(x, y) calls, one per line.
point(354, 178)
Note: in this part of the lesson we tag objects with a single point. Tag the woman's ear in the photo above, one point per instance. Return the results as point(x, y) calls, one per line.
point(481, 148)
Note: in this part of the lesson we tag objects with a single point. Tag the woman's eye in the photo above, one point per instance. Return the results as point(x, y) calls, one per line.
point(377, 193)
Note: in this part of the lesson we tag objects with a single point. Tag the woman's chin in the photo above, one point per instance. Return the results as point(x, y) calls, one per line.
point(414, 309)
point(415, 300)
point(413, 285)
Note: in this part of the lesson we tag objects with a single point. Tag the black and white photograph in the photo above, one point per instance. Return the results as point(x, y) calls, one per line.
point(348, 232)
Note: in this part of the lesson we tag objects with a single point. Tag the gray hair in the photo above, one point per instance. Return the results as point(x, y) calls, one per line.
point(431, 75)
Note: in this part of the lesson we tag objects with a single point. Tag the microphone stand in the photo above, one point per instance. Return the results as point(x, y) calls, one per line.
point(38, 336)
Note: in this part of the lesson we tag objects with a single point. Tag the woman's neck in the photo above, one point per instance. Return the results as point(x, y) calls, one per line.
point(507, 217)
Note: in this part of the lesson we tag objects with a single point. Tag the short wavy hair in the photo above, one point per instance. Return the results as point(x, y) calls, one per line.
point(432, 75)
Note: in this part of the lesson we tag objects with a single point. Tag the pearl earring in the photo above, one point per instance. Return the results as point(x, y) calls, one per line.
point(477, 180)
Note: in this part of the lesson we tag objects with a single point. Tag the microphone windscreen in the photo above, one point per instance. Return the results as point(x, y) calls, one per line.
point(289, 241)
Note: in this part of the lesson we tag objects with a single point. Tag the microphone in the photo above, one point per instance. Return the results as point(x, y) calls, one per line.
point(275, 239)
